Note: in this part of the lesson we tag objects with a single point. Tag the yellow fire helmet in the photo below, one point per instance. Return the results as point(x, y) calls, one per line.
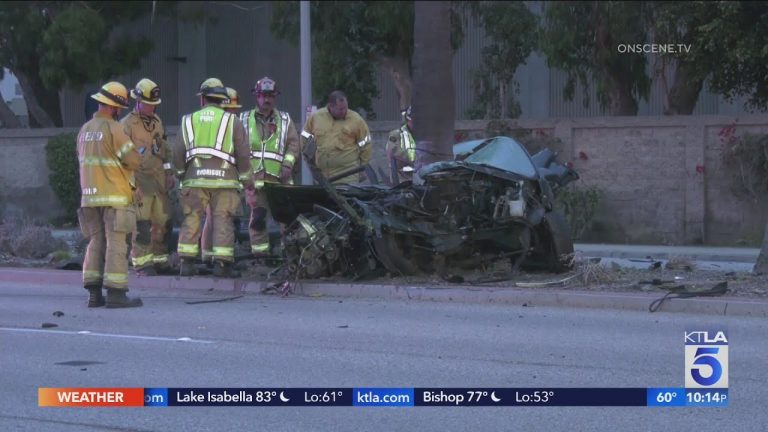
point(113, 94)
point(213, 87)
point(147, 92)
point(233, 101)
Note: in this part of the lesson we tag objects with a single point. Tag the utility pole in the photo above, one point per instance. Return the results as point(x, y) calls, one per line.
point(306, 78)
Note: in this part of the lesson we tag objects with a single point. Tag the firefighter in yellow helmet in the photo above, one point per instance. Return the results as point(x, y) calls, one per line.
point(211, 156)
point(274, 145)
point(154, 179)
point(401, 149)
point(107, 159)
point(230, 105)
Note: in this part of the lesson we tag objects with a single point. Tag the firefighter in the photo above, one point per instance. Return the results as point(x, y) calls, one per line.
point(154, 179)
point(230, 105)
point(211, 156)
point(342, 136)
point(274, 145)
point(401, 149)
point(107, 160)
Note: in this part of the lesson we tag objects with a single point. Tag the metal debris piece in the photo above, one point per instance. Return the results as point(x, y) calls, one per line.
point(213, 301)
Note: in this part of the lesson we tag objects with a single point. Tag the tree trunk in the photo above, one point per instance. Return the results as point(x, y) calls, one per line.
point(620, 99)
point(684, 92)
point(434, 100)
point(43, 104)
point(401, 76)
point(7, 116)
point(761, 266)
point(502, 99)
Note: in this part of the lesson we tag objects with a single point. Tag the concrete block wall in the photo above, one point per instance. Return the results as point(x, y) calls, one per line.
point(662, 177)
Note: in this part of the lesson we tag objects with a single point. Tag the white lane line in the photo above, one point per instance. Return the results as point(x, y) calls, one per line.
point(122, 336)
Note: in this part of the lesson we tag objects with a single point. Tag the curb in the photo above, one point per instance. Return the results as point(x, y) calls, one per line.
point(733, 306)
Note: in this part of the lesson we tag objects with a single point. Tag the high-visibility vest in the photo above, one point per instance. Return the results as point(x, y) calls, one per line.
point(267, 154)
point(407, 142)
point(208, 133)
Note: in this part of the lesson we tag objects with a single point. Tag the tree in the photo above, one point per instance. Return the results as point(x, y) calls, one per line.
point(680, 24)
point(51, 44)
point(735, 42)
point(351, 38)
point(582, 37)
point(511, 28)
point(434, 106)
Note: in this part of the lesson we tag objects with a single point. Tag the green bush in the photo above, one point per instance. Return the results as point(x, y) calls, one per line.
point(64, 177)
point(579, 204)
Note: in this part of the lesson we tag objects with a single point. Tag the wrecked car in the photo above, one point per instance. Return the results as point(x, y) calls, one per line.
point(493, 201)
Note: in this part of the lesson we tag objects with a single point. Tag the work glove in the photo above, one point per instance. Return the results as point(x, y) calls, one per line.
point(285, 173)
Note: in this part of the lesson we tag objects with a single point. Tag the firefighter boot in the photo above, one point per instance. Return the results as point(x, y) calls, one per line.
point(224, 269)
point(95, 297)
point(116, 298)
point(187, 267)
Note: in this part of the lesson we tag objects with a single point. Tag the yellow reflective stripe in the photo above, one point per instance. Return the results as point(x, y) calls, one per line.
point(289, 159)
point(124, 149)
point(160, 259)
point(104, 199)
point(244, 177)
point(92, 275)
point(306, 134)
point(222, 251)
point(188, 249)
point(98, 161)
point(142, 260)
point(263, 247)
point(364, 141)
point(117, 278)
point(210, 183)
point(259, 184)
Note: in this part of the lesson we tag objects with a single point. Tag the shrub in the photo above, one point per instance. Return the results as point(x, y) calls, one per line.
point(27, 240)
point(64, 177)
point(579, 204)
point(746, 160)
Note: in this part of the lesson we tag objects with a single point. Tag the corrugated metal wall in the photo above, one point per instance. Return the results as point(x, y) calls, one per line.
point(234, 43)
point(155, 66)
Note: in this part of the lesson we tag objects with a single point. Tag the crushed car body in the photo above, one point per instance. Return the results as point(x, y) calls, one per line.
point(492, 202)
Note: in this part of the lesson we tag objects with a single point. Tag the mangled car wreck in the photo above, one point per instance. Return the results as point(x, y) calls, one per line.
point(492, 202)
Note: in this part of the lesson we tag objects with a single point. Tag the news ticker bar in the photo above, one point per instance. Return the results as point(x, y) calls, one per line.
point(379, 396)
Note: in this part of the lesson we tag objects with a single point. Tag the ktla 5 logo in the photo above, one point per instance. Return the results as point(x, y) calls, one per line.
point(706, 359)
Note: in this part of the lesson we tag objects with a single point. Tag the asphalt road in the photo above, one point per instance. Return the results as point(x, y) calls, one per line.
point(261, 341)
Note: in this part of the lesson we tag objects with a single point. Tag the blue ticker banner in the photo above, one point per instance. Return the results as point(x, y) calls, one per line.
point(418, 397)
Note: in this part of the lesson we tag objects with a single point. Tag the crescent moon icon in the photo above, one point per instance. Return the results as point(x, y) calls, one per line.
point(494, 398)
point(283, 398)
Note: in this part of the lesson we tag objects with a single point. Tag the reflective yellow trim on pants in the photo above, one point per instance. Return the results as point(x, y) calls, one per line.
point(160, 259)
point(188, 249)
point(142, 260)
point(116, 280)
point(92, 276)
point(263, 247)
point(221, 251)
